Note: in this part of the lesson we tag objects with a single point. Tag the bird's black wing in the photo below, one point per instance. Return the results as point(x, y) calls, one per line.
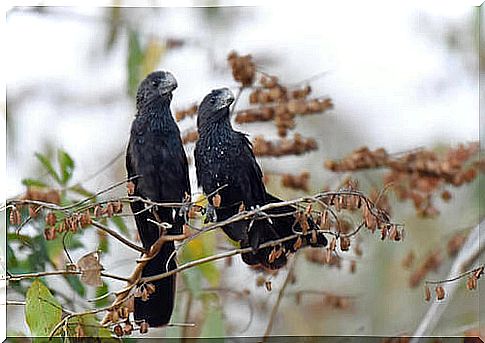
point(163, 177)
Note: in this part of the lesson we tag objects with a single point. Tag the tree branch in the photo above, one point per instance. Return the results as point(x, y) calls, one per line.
point(474, 246)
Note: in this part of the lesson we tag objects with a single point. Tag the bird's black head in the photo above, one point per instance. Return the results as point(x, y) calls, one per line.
point(157, 85)
point(215, 107)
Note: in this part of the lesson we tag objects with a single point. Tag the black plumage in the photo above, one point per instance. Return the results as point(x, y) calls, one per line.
point(224, 156)
point(156, 155)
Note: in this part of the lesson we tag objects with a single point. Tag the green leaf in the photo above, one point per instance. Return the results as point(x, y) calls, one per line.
point(201, 247)
point(42, 310)
point(33, 183)
point(48, 166)
point(91, 327)
point(82, 191)
point(76, 284)
point(67, 165)
point(102, 290)
point(135, 59)
point(213, 324)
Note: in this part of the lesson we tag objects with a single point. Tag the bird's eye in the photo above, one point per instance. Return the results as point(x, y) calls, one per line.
point(212, 100)
point(155, 83)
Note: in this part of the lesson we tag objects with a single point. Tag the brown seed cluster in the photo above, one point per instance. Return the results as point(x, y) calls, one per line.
point(68, 224)
point(298, 182)
point(243, 68)
point(144, 291)
point(123, 326)
point(15, 216)
point(110, 208)
point(188, 112)
point(471, 284)
point(362, 158)
point(418, 175)
point(280, 104)
point(296, 146)
point(337, 301)
point(190, 137)
point(324, 257)
point(51, 196)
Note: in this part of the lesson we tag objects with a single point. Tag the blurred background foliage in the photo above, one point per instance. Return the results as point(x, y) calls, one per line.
point(71, 101)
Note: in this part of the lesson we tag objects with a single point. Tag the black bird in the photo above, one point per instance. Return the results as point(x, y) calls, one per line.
point(224, 156)
point(155, 153)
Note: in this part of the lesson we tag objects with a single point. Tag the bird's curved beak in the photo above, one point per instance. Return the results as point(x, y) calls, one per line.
point(226, 97)
point(167, 85)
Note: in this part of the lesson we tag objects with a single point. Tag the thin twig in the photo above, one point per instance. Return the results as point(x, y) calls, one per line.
point(281, 293)
point(119, 237)
point(474, 246)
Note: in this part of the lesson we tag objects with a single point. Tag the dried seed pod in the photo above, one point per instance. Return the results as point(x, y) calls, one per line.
point(115, 316)
point(51, 219)
point(478, 272)
point(314, 238)
point(85, 219)
point(242, 208)
point(143, 327)
point(61, 227)
point(130, 187)
point(393, 233)
point(15, 217)
point(298, 243)
point(117, 206)
point(328, 256)
point(471, 283)
point(50, 233)
point(109, 210)
point(128, 328)
point(98, 211)
point(33, 211)
point(216, 201)
point(73, 224)
point(344, 243)
point(427, 293)
point(268, 285)
point(440, 292)
point(124, 312)
point(118, 330)
point(150, 288)
point(79, 331)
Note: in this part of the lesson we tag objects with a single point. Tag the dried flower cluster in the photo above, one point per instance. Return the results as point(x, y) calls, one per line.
point(190, 137)
point(276, 105)
point(298, 182)
point(296, 146)
point(472, 278)
point(243, 68)
point(418, 175)
point(52, 196)
point(189, 112)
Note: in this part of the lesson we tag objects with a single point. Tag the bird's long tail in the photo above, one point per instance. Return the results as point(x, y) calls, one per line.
point(158, 308)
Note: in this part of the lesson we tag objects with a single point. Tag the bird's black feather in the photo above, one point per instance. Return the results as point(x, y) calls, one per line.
point(224, 157)
point(156, 155)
